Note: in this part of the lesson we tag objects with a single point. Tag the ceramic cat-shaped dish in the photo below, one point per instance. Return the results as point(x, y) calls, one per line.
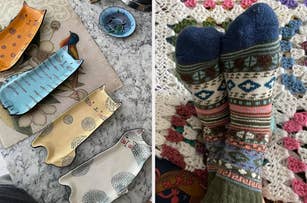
point(21, 92)
point(67, 132)
point(17, 36)
point(106, 177)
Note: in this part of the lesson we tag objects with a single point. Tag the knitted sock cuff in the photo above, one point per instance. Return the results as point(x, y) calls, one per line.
point(222, 190)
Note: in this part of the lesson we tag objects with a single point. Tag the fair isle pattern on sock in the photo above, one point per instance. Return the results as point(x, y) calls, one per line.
point(208, 86)
point(250, 77)
point(197, 57)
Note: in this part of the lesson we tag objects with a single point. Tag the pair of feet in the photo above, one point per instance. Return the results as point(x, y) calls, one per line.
point(231, 77)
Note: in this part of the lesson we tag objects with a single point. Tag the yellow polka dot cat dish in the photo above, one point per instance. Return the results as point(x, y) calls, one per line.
point(106, 177)
point(67, 132)
point(17, 36)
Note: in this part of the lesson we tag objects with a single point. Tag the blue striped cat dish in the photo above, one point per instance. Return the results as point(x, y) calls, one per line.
point(21, 92)
point(117, 22)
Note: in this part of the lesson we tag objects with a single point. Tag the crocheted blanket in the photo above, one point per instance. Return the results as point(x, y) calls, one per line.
point(177, 127)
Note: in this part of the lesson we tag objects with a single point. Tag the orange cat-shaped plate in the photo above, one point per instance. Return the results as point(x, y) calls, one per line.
point(17, 36)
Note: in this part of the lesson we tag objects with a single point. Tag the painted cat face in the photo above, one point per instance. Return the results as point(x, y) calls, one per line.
point(128, 143)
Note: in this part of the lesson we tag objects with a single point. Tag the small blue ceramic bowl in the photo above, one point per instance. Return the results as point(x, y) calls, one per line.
point(117, 22)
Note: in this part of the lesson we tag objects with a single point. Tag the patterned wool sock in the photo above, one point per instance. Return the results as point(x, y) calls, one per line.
point(197, 55)
point(250, 59)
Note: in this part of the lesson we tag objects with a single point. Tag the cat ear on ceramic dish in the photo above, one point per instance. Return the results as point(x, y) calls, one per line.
point(101, 178)
point(20, 93)
point(17, 36)
point(68, 131)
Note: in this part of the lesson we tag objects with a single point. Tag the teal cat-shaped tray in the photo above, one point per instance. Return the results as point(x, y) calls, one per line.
point(21, 92)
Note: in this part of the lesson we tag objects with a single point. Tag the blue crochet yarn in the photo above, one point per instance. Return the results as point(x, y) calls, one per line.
point(295, 24)
point(285, 45)
point(257, 25)
point(293, 84)
point(196, 45)
point(287, 32)
point(286, 62)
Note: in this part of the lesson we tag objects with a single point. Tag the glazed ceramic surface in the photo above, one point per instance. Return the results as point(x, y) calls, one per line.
point(106, 177)
point(66, 133)
point(117, 22)
point(55, 33)
point(16, 37)
point(21, 92)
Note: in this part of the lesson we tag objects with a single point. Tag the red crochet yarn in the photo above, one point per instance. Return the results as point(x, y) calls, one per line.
point(296, 165)
point(292, 126)
point(174, 136)
point(177, 121)
point(191, 108)
point(173, 156)
point(184, 111)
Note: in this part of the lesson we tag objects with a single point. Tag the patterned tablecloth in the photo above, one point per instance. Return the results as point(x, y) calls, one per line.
point(285, 164)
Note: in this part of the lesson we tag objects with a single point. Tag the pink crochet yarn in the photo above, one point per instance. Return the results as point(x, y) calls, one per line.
point(190, 3)
point(246, 3)
point(228, 4)
point(292, 126)
point(296, 165)
point(300, 118)
point(209, 4)
point(291, 143)
point(299, 187)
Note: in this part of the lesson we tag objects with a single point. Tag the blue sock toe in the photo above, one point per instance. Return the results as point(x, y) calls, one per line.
point(257, 25)
point(197, 45)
